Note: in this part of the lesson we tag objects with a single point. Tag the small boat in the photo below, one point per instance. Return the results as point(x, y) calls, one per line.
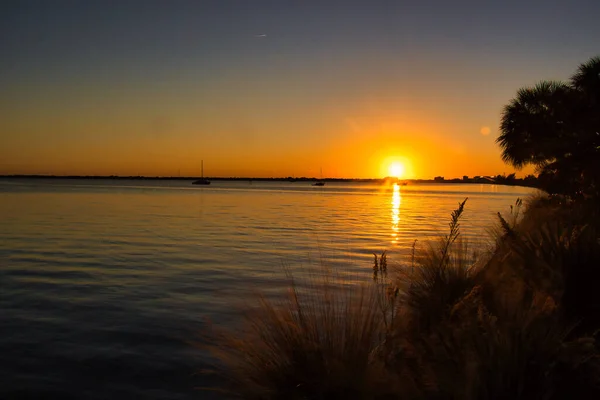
point(201, 181)
point(320, 181)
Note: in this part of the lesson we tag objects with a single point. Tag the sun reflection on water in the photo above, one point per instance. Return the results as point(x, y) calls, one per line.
point(396, 200)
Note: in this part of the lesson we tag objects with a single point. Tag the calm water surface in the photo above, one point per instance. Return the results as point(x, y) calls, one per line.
point(103, 282)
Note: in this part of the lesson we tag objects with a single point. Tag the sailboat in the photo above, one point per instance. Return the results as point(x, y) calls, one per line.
point(320, 181)
point(201, 181)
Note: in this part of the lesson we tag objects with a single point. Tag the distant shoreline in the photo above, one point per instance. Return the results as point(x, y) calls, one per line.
point(477, 180)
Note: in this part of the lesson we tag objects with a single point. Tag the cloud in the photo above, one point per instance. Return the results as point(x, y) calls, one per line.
point(485, 130)
point(262, 35)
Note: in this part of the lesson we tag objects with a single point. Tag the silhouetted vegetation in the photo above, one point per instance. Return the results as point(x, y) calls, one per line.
point(555, 126)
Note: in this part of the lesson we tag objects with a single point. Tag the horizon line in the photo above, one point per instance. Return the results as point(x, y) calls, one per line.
point(165, 177)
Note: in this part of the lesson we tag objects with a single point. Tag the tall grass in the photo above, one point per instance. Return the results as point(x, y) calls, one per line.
point(517, 322)
point(444, 272)
point(478, 355)
point(315, 343)
point(557, 251)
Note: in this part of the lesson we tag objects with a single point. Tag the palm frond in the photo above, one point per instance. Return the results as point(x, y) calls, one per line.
point(587, 77)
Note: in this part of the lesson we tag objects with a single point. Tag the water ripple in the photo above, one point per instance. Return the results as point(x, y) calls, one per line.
point(103, 283)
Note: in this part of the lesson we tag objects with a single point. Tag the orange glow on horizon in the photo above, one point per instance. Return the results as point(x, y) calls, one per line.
point(376, 157)
point(396, 170)
point(374, 143)
point(396, 167)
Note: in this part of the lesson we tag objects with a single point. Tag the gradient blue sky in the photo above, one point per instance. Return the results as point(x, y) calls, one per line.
point(152, 87)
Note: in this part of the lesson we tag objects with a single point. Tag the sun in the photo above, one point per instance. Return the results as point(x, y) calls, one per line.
point(396, 170)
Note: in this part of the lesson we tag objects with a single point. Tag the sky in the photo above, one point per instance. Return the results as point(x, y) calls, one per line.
point(274, 88)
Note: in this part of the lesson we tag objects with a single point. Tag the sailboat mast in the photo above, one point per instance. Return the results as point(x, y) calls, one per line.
point(202, 168)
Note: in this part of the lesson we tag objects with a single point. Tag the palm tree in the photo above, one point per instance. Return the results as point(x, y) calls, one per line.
point(586, 78)
point(555, 126)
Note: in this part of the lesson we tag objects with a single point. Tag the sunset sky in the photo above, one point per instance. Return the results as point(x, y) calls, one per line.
point(274, 88)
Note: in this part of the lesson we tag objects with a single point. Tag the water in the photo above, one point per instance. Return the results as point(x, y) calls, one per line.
point(104, 283)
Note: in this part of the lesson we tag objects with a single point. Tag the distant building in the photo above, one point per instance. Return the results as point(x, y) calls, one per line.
point(439, 179)
point(465, 177)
